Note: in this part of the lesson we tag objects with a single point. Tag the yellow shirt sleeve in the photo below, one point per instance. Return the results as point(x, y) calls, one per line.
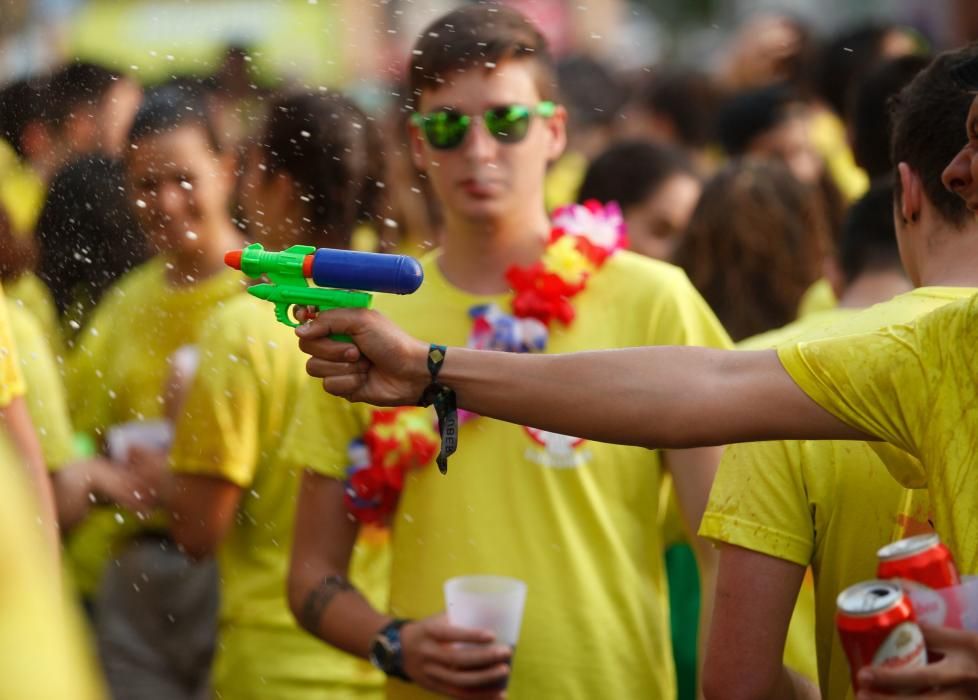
point(217, 434)
point(11, 380)
point(321, 430)
point(46, 400)
point(877, 383)
point(745, 484)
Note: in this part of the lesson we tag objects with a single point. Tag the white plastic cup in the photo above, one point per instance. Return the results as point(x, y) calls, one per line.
point(152, 435)
point(492, 603)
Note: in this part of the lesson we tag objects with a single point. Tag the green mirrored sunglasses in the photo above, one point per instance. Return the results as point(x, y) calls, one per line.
point(446, 128)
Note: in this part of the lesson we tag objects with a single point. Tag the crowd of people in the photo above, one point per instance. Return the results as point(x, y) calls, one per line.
point(775, 256)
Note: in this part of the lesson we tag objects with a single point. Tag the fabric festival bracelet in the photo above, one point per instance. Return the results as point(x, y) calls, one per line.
point(443, 399)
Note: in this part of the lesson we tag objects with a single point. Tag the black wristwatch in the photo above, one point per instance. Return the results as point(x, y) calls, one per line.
point(385, 652)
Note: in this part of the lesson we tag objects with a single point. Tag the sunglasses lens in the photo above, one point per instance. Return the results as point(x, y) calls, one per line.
point(508, 124)
point(446, 129)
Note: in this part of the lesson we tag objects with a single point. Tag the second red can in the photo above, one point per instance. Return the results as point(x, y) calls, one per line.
point(924, 559)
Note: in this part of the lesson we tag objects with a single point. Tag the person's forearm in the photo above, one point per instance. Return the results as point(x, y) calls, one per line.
point(341, 617)
point(653, 396)
point(17, 420)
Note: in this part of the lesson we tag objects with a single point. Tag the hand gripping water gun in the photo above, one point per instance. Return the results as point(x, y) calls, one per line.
point(349, 276)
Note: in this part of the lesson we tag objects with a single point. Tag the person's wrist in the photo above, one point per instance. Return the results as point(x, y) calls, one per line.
point(387, 649)
point(417, 368)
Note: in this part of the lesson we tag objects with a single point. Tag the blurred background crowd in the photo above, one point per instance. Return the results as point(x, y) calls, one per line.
point(735, 135)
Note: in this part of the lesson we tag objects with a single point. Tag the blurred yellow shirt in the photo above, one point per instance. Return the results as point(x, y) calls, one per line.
point(826, 504)
point(116, 374)
point(22, 191)
point(828, 134)
point(577, 520)
point(46, 399)
point(242, 400)
point(913, 386)
point(11, 379)
point(33, 295)
point(43, 649)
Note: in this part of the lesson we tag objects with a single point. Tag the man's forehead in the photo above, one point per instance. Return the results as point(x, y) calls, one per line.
point(483, 86)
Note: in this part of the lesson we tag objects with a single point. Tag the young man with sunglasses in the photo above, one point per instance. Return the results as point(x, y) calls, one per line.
point(576, 520)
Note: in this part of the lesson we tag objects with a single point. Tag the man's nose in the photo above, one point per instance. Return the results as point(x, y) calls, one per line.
point(479, 144)
point(957, 175)
point(170, 198)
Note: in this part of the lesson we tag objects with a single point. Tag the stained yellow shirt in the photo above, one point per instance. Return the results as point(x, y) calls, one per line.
point(802, 501)
point(116, 374)
point(242, 400)
point(46, 399)
point(913, 386)
point(44, 652)
point(11, 379)
point(578, 522)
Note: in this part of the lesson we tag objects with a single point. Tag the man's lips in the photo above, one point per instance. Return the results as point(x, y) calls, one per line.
point(479, 187)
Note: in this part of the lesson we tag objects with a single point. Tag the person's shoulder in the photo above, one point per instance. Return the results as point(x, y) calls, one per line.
point(629, 270)
point(244, 320)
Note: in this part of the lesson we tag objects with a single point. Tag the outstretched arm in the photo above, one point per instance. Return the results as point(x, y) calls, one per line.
point(657, 397)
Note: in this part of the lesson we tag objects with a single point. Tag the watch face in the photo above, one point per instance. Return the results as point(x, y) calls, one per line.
point(380, 653)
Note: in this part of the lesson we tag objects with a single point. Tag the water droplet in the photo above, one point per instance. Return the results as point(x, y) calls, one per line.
point(191, 236)
point(119, 518)
point(305, 134)
point(186, 185)
point(141, 204)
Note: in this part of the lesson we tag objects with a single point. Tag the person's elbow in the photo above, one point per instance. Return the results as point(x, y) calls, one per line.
point(197, 541)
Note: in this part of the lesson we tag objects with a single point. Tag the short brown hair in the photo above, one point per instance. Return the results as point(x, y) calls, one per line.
point(929, 117)
point(482, 35)
point(755, 244)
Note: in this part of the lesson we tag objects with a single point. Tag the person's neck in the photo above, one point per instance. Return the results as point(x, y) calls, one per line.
point(951, 259)
point(196, 266)
point(476, 255)
point(873, 287)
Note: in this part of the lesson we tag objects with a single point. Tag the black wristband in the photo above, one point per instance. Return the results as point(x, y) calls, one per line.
point(443, 400)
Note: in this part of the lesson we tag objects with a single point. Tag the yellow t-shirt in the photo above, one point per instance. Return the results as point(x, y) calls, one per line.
point(22, 191)
point(828, 135)
point(44, 649)
point(117, 372)
point(242, 400)
point(32, 294)
point(818, 298)
point(11, 379)
point(46, 400)
point(578, 521)
point(913, 386)
point(802, 501)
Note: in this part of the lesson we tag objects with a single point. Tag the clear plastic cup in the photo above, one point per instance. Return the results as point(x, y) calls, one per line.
point(492, 603)
point(487, 602)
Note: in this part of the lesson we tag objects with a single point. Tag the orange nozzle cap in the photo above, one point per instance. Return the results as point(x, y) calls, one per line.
point(232, 258)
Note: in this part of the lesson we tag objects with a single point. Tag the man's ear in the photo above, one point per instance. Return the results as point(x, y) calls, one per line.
point(557, 126)
point(416, 143)
point(911, 196)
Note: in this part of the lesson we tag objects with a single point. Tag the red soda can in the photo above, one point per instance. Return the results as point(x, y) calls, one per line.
point(924, 565)
point(923, 559)
point(878, 628)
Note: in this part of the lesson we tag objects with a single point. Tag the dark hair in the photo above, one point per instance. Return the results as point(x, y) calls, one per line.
point(748, 114)
point(687, 98)
point(844, 59)
point(929, 118)
point(87, 234)
point(20, 104)
point(755, 244)
point(77, 85)
point(478, 36)
point(331, 149)
point(171, 106)
point(590, 91)
point(869, 111)
point(629, 171)
point(868, 235)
